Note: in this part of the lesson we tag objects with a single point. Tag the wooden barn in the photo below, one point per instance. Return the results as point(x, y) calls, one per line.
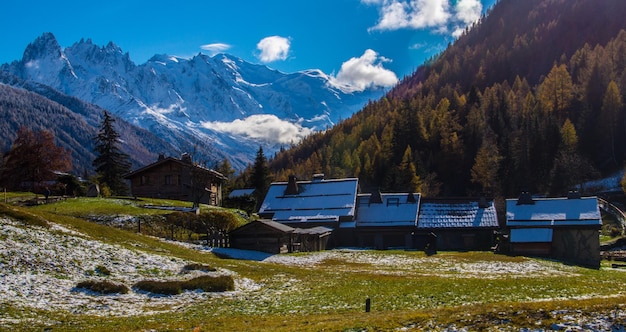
point(457, 224)
point(178, 179)
point(566, 228)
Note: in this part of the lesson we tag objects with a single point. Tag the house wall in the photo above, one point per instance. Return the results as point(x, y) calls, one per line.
point(542, 249)
point(463, 239)
point(172, 181)
point(153, 183)
point(273, 243)
point(577, 245)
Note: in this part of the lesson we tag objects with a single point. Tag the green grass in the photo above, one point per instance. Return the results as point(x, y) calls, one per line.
point(425, 292)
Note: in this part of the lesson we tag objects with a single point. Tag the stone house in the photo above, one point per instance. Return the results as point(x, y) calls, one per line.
point(565, 228)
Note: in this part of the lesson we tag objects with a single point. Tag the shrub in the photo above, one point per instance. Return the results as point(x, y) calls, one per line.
point(102, 270)
point(159, 287)
point(103, 287)
point(199, 267)
point(211, 284)
point(173, 287)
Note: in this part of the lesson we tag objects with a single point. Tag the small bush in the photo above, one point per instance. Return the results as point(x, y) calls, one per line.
point(159, 287)
point(211, 284)
point(103, 287)
point(102, 270)
point(199, 267)
point(205, 283)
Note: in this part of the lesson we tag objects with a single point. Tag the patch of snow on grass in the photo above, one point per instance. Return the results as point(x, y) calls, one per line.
point(40, 269)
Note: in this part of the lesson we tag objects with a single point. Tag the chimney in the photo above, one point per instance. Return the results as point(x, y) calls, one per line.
point(376, 198)
point(292, 186)
point(318, 177)
point(186, 158)
point(411, 198)
point(482, 201)
point(573, 194)
point(161, 157)
point(525, 199)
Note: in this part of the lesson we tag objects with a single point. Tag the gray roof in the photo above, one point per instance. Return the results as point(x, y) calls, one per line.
point(456, 214)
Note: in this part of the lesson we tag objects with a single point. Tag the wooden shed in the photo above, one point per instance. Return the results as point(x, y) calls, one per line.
point(263, 235)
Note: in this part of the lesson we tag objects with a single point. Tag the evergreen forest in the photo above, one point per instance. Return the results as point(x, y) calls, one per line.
point(529, 98)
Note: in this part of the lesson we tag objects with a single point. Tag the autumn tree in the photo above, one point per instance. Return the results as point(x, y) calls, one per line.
point(408, 180)
point(555, 92)
point(486, 166)
point(570, 168)
point(611, 107)
point(111, 163)
point(34, 158)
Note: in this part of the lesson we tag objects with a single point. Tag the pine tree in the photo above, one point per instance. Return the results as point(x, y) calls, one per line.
point(260, 177)
point(612, 105)
point(111, 163)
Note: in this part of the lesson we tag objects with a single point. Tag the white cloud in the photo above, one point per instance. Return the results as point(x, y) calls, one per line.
point(437, 15)
point(266, 127)
point(358, 74)
point(468, 11)
point(216, 48)
point(273, 48)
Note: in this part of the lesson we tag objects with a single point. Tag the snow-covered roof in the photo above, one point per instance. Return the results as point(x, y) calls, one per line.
point(554, 212)
point(391, 210)
point(457, 214)
point(316, 201)
point(241, 193)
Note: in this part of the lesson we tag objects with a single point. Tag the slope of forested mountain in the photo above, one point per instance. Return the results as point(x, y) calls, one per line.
point(73, 123)
point(530, 98)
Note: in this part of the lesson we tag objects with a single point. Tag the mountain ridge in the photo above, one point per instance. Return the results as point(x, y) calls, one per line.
point(202, 100)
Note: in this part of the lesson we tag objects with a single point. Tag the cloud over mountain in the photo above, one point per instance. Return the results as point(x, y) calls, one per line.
point(263, 127)
point(273, 48)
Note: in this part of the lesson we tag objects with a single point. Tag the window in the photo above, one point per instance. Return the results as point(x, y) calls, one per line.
point(144, 179)
point(168, 179)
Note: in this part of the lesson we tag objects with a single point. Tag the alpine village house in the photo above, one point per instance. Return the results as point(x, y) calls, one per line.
point(320, 214)
point(178, 179)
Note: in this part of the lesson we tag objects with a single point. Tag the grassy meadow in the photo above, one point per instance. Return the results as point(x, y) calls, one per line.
point(324, 291)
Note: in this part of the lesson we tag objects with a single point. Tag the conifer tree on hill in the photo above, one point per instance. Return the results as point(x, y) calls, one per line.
point(111, 163)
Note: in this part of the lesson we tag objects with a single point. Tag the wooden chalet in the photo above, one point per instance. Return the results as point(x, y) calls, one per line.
point(178, 179)
point(565, 228)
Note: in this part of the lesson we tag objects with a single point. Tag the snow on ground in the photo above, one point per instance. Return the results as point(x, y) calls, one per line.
point(401, 264)
point(40, 268)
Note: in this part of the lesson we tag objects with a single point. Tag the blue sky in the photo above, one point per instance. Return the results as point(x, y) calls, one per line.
point(359, 42)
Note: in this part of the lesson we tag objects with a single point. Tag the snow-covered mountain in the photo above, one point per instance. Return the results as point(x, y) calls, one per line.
point(220, 102)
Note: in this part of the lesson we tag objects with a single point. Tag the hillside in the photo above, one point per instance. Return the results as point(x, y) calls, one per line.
point(530, 97)
point(46, 251)
point(73, 122)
